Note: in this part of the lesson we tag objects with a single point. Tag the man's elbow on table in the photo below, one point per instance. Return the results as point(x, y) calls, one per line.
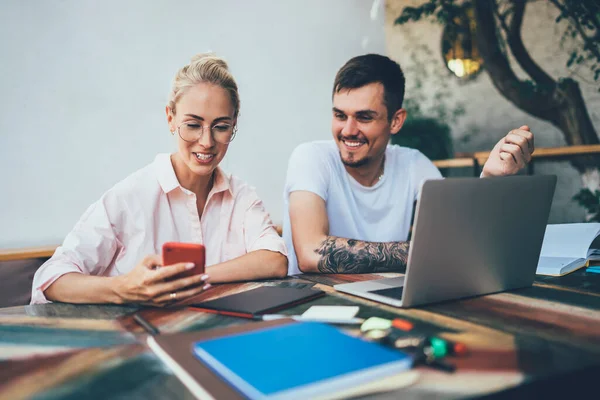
point(308, 259)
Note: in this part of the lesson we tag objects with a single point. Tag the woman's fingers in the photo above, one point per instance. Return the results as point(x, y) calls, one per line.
point(161, 285)
point(181, 295)
point(179, 284)
point(170, 271)
point(152, 261)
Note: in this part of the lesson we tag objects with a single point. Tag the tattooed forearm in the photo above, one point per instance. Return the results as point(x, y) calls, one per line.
point(349, 256)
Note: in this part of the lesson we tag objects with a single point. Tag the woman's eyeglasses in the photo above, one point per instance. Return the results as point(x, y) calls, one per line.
point(221, 132)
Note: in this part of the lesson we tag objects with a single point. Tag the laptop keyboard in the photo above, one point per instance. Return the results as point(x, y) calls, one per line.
point(395, 293)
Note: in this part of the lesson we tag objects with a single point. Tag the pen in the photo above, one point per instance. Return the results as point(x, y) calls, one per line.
point(148, 327)
point(271, 317)
point(441, 365)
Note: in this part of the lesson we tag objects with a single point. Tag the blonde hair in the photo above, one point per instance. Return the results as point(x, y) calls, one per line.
point(205, 67)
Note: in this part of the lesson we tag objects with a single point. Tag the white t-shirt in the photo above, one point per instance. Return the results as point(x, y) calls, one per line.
point(380, 213)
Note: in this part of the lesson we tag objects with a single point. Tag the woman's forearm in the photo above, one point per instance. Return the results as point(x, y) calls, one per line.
point(259, 264)
point(80, 288)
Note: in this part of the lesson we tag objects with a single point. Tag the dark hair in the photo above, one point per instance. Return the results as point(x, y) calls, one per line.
point(370, 68)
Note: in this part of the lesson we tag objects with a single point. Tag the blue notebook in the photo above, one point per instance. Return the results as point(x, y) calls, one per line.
point(298, 360)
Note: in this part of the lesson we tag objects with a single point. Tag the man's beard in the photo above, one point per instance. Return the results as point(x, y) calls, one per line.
point(355, 164)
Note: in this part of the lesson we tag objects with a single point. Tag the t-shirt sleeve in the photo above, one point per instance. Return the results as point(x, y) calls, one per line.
point(308, 170)
point(423, 170)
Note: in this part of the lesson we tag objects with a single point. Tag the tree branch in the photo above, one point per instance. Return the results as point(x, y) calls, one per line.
point(502, 18)
point(518, 50)
point(590, 42)
point(522, 94)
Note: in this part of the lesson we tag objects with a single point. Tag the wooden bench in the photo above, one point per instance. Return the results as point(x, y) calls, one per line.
point(477, 160)
point(17, 267)
point(27, 253)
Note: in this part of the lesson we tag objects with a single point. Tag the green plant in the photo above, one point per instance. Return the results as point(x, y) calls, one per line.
point(591, 202)
point(427, 135)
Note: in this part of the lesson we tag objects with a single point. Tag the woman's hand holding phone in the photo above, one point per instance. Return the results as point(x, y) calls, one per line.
point(148, 283)
point(177, 252)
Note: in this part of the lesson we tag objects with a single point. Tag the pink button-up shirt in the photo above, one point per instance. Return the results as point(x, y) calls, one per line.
point(148, 208)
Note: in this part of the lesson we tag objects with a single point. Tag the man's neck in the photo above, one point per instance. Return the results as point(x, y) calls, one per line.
point(368, 175)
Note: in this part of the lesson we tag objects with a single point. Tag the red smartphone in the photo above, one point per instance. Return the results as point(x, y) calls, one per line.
point(176, 252)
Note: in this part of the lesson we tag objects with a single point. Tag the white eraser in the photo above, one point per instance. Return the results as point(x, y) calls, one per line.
point(331, 312)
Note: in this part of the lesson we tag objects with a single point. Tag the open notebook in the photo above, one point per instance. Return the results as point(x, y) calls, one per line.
point(568, 247)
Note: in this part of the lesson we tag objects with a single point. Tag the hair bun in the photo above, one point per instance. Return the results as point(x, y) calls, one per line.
point(209, 58)
point(204, 67)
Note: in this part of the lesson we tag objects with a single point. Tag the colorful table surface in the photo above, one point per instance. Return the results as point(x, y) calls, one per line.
point(544, 339)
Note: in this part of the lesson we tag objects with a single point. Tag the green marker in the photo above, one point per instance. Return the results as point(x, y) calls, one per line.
point(439, 346)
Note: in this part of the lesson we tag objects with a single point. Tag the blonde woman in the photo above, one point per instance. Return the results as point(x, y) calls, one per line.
point(111, 255)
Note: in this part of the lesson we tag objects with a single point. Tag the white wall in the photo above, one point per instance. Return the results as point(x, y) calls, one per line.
point(83, 86)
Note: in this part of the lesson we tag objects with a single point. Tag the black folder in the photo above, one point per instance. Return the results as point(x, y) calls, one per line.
point(262, 300)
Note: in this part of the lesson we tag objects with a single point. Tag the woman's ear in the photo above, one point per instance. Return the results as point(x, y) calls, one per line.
point(397, 121)
point(170, 119)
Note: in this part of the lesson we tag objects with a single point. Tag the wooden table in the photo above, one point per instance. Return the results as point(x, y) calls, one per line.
point(542, 340)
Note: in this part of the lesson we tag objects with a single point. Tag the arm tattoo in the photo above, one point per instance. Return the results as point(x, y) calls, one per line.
point(349, 256)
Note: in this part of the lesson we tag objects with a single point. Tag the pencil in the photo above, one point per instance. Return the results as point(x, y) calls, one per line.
point(148, 327)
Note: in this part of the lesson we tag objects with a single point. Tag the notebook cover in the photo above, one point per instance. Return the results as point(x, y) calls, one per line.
point(179, 348)
point(262, 300)
point(282, 361)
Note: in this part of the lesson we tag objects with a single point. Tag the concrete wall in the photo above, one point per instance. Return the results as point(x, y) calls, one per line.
point(488, 116)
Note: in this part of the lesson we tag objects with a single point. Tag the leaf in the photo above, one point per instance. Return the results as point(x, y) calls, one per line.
point(428, 135)
point(588, 200)
point(409, 14)
point(572, 58)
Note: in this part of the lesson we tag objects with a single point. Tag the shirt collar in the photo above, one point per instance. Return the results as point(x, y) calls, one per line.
point(222, 182)
point(168, 180)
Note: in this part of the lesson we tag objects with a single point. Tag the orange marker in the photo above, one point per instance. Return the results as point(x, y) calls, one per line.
point(458, 349)
point(402, 324)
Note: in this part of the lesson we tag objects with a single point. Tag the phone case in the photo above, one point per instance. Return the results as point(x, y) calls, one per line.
point(176, 252)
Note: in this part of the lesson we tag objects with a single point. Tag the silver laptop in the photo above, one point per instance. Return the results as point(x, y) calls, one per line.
point(471, 237)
